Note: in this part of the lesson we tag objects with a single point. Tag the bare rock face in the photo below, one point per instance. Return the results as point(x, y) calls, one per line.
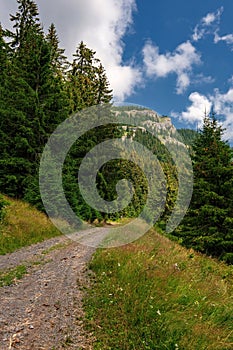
point(150, 121)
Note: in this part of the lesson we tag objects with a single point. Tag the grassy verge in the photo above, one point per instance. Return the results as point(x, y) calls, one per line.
point(155, 294)
point(23, 225)
point(9, 277)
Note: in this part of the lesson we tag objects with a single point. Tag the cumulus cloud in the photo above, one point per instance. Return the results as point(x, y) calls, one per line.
point(228, 38)
point(221, 103)
point(179, 62)
point(200, 105)
point(101, 24)
point(208, 24)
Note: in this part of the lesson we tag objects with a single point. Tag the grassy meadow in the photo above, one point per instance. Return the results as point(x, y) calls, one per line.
point(155, 294)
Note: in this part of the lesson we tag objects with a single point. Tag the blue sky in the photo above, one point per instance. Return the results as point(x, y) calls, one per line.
point(174, 33)
point(172, 56)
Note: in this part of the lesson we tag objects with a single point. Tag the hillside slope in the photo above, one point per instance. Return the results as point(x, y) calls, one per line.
point(155, 294)
point(23, 225)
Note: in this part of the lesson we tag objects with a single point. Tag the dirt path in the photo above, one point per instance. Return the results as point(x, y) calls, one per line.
point(44, 309)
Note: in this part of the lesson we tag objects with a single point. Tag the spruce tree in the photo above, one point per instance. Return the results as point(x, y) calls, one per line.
point(88, 86)
point(13, 96)
point(4, 55)
point(58, 59)
point(87, 81)
point(35, 101)
point(208, 225)
point(25, 19)
point(102, 86)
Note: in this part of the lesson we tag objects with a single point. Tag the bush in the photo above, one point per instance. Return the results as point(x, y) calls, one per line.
point(228, 258)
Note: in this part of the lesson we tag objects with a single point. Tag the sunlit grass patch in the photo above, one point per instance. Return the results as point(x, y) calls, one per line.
point(10, 276)
point(23, 225)
point(155, 294)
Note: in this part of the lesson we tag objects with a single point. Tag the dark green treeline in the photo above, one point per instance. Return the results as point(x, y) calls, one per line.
point(39, 88)
point(208, 225)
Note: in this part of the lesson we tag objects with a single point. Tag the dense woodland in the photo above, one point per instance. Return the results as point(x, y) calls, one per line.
point(208, 224)
point(40, 88)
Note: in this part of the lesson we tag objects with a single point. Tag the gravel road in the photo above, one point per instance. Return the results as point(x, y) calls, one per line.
point(44, 310)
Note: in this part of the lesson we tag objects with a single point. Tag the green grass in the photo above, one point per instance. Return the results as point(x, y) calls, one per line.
point(9, 276)
point(155, 294)
point(23, 225)
point(54, 247)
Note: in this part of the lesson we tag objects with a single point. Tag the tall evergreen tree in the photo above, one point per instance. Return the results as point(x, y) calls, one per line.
point(208, 225)
point(35, 97)
point(88, 86)
point(25, 20)
point(4, 53)
point(87, 81)
point(58, 59)
point(103, 91)
point(13, 147)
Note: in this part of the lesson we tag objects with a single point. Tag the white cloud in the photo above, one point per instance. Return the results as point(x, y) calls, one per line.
point(207, 25)
point(209, 18)
point(124, 78)
point(230, 80)
point(228, 38)
point(210, 25)
point(202, 79)
point(101, 24)
point(183, 82)
point(222, 104)
point(179, 62)
point(200, 105)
